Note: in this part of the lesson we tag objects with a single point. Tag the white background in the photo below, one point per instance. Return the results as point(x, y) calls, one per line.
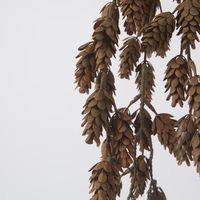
point(42, 153)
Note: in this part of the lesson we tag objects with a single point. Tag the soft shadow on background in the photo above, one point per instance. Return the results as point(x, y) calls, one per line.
point(42, 153)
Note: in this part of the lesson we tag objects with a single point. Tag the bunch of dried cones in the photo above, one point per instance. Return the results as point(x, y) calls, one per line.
point(127, 146)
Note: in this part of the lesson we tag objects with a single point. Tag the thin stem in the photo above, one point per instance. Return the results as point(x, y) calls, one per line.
point(160, 6)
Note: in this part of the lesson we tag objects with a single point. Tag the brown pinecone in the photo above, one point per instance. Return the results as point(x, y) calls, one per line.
point(188, 22)
point(193, 92)
point(148, 79)
point(195, 142)
point(176, 75)
point(129, 56)
point(105, 37)
point(96, 111)
point(186, 130)
point(137, 13)
point(143, 130)
point(164, 127)
point(139, 177)
point(123, 139)
point(157, 35)
point(105, 181)
point(155, 193)
point(85, 68)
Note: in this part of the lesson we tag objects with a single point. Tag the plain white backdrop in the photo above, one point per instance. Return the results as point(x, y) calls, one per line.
point(42, 153)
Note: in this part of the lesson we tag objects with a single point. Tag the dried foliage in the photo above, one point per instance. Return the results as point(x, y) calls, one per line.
point(127, 146)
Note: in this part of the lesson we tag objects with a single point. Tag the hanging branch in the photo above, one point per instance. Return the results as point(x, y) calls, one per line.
point(128, 136)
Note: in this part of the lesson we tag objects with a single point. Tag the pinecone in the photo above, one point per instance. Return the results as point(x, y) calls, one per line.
point(176, 75)
point(148, 79)
point(129, 56)
point(193, 92)
point(186, 130)
point(137, 13)
point(139, 177)
point(143, 130)
point(157, 35)
point(188, 22)
point(105, 36)
point(164, 126)
point(122, 138)
point(105, 181)
point(96, 110)
point(195, 142)
point(85, 68)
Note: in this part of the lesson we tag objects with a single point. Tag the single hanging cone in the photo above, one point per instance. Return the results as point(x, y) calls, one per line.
point(143, 131)
point(130, 54)
point(186, 130)
point(96, 111)
point(139, 177)
point(105, 181)
point(105, 36)
point(164, 127)
point(123, 140)
point(85, 68)
point(188, 22)
point(193, 93)
point(148, 79)
point(176, 76)
point(157, 34)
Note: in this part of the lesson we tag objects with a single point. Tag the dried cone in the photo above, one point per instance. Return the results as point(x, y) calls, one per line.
point(106, 80)
point(157, 35)
point(137, 13)
point(155, 193)
point(96, 111)
point(85, 68)
point(164, 127)
point(123, 147)
point(188, 22)
point(186, 130)
point(195, 142)
point(129, 56)
point(176, 75)
point(148, 79)
point(139, 177)
point(105, 181)
point(105, 36)
point(193, 92)
point(143, 130)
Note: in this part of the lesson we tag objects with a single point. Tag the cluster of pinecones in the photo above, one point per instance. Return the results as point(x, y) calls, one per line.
point(127, 147)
